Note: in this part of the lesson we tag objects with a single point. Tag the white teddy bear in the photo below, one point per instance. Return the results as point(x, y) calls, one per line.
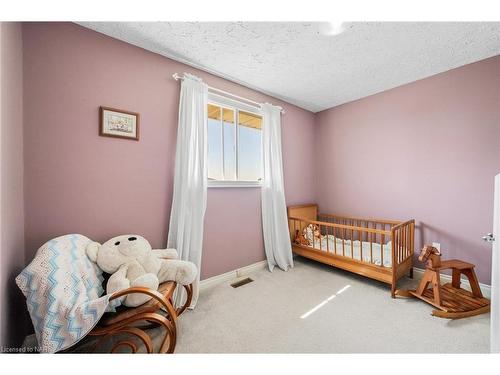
point(132, 263)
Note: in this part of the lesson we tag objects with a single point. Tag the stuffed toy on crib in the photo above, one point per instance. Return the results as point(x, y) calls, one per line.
point(310, 233)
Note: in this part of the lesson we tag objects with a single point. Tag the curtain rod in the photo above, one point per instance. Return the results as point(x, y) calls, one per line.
point(178, 77)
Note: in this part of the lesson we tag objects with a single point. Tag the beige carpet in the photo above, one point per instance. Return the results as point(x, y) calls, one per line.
point(265, 317)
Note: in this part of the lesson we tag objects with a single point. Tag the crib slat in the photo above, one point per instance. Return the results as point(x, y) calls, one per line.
point(395, 242)
point(320, 242)
point(327, 242)
point(398, 238)
point(364, 237)
point(412, 229)
point(295, 223)
point(403, 251)
point(328, 231)
point(412, 239)
point(352, 234)
point(367, 234)
point(408, 234)
point(314, 240)
point(319, 226)
point(300, 226)
point(335, 241)
point(343, 245)
point(408, 228)
point(401, 239)
point(352, 241)
point(403, 244)
point(403, 235)
point(371, 245)
point(400, 242)
point(382, 240)
point(294, 230)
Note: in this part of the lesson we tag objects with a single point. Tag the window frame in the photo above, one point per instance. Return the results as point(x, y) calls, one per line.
point(236, 106)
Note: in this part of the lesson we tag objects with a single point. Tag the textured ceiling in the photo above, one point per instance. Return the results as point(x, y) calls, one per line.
point(305, 63)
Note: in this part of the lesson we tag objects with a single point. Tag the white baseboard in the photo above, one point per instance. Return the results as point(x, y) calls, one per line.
point(232, 275)
point(485, 289)
point(244, 271)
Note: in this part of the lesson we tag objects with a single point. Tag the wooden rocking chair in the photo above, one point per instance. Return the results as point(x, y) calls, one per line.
point(450, 299)
point(129, 322)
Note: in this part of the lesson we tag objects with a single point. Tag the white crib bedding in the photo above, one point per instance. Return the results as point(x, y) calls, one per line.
point(361, 250)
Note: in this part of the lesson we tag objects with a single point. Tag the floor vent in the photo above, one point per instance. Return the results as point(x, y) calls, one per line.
point(241, 282)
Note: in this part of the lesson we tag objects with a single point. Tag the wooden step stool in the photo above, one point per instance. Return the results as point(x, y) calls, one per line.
point(451, 300)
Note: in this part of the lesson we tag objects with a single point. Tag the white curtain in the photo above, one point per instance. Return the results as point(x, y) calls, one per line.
point(190, 179)
point(274, 217)
point(495, 273)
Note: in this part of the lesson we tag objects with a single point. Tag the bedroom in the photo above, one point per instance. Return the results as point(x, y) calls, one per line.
point(289, 150)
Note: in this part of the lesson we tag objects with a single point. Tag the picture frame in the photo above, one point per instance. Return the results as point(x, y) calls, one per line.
point(118, 123)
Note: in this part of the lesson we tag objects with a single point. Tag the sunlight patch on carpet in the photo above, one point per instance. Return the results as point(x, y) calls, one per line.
point(323, 303)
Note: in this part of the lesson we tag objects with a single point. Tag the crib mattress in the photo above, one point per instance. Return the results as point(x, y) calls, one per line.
point(360, 250)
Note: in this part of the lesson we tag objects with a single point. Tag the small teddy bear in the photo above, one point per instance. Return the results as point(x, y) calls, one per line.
point(300, 239)
point(132, 263)
point(312, 233)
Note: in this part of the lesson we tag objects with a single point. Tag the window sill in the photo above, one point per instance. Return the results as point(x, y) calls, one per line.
point(233, 184)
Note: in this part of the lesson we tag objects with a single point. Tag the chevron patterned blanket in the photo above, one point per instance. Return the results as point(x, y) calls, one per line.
point(64, 293)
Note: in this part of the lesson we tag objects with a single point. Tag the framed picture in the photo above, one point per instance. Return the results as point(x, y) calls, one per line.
point(118, 123)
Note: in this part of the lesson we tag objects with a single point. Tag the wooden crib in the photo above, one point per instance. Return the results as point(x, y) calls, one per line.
point(353, 243)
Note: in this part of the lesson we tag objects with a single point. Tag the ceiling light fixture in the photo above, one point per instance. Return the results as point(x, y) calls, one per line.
point(332, 28)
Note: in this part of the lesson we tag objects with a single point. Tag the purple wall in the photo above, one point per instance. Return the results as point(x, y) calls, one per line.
point(428, 150)
point(12, 254)
point(77, 181)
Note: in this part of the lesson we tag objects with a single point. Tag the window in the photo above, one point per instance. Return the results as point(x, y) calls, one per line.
point(234, 143)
